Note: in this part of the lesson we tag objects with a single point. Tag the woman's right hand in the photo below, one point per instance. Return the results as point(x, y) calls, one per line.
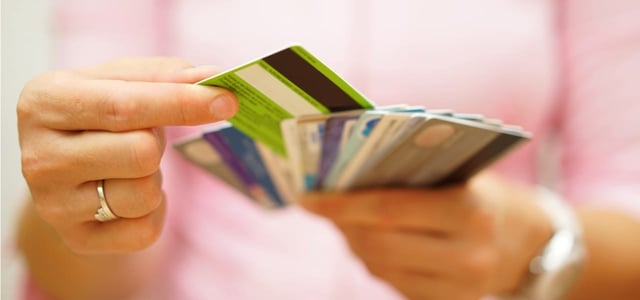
point(80, 127)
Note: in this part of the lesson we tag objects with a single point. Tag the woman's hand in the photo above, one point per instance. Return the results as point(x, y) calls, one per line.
point(459, 242)
point(82, 126)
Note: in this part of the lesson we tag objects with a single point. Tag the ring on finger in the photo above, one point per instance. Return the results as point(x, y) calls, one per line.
point(104, 213)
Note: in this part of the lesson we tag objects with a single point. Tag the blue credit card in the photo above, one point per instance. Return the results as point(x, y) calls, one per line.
point(242, 155)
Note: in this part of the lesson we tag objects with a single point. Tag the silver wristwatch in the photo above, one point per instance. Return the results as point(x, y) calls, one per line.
point(554, 270)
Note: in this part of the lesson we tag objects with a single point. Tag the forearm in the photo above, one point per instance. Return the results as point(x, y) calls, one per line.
point(612, 267)
point(66, 275)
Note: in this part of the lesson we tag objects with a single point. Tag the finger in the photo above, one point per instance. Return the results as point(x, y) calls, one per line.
point(95, 155)
point(442, 210)
point(150, 69)
point(116, 105)
point(117, 236)
point(127, 198)
point(451, 259)
point(400, 250)
point(422, 286)
point(134, 198)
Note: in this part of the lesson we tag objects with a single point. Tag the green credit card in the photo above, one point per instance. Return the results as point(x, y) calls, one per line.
point(283, 85)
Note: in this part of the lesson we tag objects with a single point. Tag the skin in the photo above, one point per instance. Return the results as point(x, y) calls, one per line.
point(106, 122)
point(466, 241)
point(459, 242)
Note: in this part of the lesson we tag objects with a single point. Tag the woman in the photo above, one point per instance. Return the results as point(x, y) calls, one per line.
point(561, 69)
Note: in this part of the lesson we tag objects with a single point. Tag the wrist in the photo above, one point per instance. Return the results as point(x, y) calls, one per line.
point(527, 229)
point(553, 270)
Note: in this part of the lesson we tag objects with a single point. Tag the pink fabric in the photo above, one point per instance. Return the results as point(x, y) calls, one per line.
point(565, 68)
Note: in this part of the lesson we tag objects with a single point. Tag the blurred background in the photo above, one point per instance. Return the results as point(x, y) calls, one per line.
point(26, 52)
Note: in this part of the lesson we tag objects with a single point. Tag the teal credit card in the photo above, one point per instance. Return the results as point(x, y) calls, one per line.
point(286, 84)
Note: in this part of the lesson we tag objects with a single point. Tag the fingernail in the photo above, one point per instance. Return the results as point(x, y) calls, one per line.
point(224, 107)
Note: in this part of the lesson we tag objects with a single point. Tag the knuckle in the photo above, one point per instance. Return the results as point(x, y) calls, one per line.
point(168, 64)
point(482, 222)
point(119, 110)
point(177, 62)
point(31, 166)
point(148, 196)
point(52, 214)
point(184, 107)
point(480, 264)
point(35, 166)
point(146, 153)
point(25, 108)
point(44, 93)
point(35, 89)
point(146, 234)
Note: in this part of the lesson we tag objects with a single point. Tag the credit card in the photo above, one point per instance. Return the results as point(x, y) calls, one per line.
point(363, 128)
point(240, 152)
point(439, 151)
point(279, 171)
point(384, 130)
point(331, 145)
point(347, 130)
point(467, 139)
point(303, 142)
point(288, 83)
point(507, 141)
point(199, 152)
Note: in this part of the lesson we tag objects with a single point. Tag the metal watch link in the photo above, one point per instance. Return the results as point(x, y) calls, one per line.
point(555, 269)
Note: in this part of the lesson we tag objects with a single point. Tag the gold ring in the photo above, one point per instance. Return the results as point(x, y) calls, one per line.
point(104, 213)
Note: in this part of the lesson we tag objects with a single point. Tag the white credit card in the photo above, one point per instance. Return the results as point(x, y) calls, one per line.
point(278, 168)
point(360, 133)
point(361, 130)
point(433, 153)
point(303, 138)
point(385, 129)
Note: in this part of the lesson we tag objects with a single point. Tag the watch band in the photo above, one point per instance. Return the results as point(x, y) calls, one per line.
point(554, 270)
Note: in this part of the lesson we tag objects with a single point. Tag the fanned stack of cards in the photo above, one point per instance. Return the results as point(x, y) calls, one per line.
point(302, 128)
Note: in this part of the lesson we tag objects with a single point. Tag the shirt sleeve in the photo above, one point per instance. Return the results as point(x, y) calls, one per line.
point(599, 115)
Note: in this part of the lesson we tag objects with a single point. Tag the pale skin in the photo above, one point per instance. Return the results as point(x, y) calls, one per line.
point(105, 122)
point(470, 240)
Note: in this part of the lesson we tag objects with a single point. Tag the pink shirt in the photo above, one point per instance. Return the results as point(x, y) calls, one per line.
point(565, 69)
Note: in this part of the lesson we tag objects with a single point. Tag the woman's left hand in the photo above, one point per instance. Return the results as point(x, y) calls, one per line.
point(458, 242)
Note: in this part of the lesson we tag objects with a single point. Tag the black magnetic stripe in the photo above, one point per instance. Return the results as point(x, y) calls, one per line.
point(309, 79)
point(482, 159)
